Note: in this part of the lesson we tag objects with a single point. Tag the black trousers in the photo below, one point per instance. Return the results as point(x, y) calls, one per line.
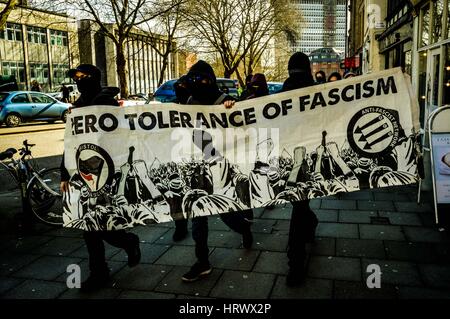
point(236, 221)
point(301, 230)
point(96, 248)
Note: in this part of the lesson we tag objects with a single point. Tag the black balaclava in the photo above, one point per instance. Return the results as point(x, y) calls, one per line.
point(321, 77)
point(181, 90)
point(90, 86)
point(203, 93)
point(258, 86)
point(299, 72)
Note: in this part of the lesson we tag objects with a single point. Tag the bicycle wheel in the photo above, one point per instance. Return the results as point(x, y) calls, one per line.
point(46, 206)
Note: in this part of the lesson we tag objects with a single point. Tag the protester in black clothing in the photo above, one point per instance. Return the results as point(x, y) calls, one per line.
point(335, 76)
point(87, 78)
point(257, 86)
point(246, 92)
point(65, 93)
point(303, 220)
point(182, 93)
point(320, 77)
point(202, 85)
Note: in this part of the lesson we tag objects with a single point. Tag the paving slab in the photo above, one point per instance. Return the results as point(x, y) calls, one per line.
point(381, 232)
point(243, 285)
point(356, 216)
point(46, 267)
point(358, 290)
point(311, 289)
point(394, 272)
point(360, 248)
point(335, 268)
point(234, 259)
point(407, 219)
point(178, 256)
point(436, 275)
point(410, 251)
point(272, 262)
point(36, 289)
point(337, 230)
point(142, 277)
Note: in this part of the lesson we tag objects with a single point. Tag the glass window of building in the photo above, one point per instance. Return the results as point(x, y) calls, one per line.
point(58, 38)
point(425, 25)
point(37, 35)
point(12, 32)
point(15, 69)
point(39, 72)
point(60, 73)
point(446, 88)
point(438, 10)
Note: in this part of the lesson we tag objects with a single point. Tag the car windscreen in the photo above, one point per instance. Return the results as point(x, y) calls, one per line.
point(228, 84)
point(3, 96)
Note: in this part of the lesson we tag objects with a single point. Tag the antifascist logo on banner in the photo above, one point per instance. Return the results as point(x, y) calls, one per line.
point(95, 168)
point(373, 131)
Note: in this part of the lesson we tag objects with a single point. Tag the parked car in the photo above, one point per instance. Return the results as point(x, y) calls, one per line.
point(134, 99)
point(274, 87)
point(166, 93)
point(74, 94)
point(23, 106)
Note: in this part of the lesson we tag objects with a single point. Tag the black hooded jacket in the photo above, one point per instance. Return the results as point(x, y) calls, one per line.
point(105, 96)
point(299, 72)
point(205, 94)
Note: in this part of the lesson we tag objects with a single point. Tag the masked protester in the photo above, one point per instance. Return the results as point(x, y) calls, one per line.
point(320, 77)
point(246, 92)
point(204, 90)
point(335, 76)
point(258, 86)
point(88, 77)
point(303, 220)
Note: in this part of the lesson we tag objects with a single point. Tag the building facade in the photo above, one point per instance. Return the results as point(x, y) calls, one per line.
point(324, 25)
point(144, 63)
point(327, 60)
point(367, 23)
point(38, 45)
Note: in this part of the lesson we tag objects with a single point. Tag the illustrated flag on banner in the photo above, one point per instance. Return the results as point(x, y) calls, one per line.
point(155, 163)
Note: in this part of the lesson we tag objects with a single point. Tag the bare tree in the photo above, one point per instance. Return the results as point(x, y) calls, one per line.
point(4, 14)
point(240, 30)
point(167, 25)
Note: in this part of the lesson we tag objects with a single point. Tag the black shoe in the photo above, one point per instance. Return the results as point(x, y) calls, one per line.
point(134, 252)
point(295, 278)
point(95, 282)
point(179, 234)
point(247, 239)
point(197, 270)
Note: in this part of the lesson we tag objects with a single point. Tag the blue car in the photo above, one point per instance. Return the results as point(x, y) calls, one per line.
point(274, 87)
point(23, 106)
point(166, 92)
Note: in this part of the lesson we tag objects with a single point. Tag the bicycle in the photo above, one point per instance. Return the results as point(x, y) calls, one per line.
point(39, 189)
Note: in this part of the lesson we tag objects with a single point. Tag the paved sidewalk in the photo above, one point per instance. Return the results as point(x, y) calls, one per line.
point(384, 227)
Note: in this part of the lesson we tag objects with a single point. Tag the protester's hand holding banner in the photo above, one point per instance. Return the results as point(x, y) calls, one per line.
point(159, 162)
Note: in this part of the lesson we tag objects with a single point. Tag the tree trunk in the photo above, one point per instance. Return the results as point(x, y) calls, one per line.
point(227, 73)
point(165, 58)
point(122, 72)
point(10, 5)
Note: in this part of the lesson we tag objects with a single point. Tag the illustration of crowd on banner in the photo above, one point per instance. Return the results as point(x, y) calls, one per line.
point(365, 140)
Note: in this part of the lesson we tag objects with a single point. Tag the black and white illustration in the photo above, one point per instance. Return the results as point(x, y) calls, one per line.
point(367, 147)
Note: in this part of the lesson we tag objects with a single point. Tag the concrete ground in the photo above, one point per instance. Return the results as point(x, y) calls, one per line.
point(384, 227)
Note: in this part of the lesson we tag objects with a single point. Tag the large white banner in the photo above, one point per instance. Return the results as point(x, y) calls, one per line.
point(155, 163)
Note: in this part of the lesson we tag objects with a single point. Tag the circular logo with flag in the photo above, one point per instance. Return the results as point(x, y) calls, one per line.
point(95, 167)
point(373, 131)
